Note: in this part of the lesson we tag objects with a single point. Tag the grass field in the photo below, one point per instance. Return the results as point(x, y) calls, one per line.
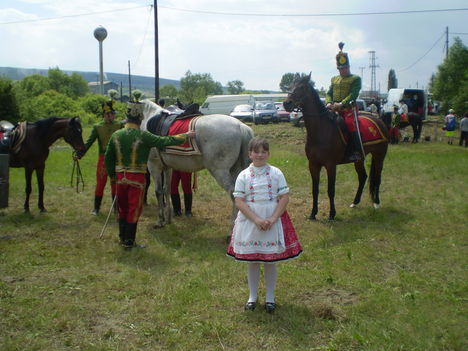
point(387, 279)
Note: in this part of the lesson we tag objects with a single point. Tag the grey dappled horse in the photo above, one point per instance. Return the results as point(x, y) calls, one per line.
point(223, 143)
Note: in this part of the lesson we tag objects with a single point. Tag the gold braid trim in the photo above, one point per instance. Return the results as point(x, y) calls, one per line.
point(131, 182)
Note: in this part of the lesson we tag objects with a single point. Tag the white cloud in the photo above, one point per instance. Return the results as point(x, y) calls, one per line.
point(256, 50)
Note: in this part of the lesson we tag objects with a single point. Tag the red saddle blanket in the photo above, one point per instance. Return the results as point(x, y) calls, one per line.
point(370, 131)
point(180, 126)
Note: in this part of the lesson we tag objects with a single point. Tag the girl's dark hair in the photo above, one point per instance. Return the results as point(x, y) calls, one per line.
point(256, 143)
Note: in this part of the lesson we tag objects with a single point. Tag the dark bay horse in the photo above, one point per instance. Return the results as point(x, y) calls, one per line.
point(415, 120)
point(325, 146)
point(33, 151)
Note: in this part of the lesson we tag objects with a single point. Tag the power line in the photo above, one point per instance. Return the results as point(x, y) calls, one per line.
point(312, 14)
point(244, 14)
point(407, 68)
point(70, 16)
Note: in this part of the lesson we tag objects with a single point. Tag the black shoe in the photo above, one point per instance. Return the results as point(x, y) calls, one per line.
point(97, 205)
point(250, 306)
point(270, 307)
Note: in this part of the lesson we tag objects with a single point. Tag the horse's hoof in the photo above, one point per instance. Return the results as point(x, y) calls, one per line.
point(43, 210)
point(376, 206)
point(312, 218)
point(353, 205)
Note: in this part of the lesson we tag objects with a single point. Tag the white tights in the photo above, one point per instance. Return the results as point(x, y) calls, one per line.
point(253, 276)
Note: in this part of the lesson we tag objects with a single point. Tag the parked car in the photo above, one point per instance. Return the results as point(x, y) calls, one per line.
point(243, 113)
point(283, 115)
point(264, 112)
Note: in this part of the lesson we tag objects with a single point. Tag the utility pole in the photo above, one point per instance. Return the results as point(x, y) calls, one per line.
point(446, 42)
point(362, 73)
point(373, 66)
point(129, 83)
point(156, 53)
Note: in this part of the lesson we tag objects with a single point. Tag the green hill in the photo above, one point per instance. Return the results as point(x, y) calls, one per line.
point(138, 82)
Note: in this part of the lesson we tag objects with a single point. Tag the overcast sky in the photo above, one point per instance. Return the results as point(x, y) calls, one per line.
point(255, 41)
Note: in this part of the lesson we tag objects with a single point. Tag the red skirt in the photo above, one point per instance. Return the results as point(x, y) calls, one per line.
point(292, 244)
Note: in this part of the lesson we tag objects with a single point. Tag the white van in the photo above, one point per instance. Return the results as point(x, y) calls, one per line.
point(224, 104)
point(416, 99)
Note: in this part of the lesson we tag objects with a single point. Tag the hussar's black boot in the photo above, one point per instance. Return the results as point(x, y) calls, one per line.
point(355, 153)
point(188, 205)
point(122, 230)
point(176, 205)
point(97, 205)
point(130, 236)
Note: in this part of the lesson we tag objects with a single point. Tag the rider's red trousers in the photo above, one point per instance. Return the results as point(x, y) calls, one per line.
point(130, 195)
point(348, 116)
point(101, 178)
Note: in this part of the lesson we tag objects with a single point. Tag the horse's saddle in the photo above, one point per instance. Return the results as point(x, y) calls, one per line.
point(369, 130)
point(12, 136)
point(160, 123)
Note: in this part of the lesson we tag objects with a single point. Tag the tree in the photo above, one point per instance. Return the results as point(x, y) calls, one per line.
point(451, 81)
point(31, 86)
point(73, 86)
point(196, 86)
point(235, 87)
point(113, 94)
point(9, 109)
point(392, 80)
point(289, 78)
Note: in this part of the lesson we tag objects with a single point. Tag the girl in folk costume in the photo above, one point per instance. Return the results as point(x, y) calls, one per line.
point(263, 231)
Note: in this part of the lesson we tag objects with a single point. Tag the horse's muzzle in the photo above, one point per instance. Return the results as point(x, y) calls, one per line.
point(288, 105)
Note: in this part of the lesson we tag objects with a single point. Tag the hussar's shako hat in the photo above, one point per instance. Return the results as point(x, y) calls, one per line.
point(135, 111)
point(108, 107)
point(342, 59)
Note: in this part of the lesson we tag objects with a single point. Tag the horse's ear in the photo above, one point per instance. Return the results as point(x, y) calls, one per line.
point(310, 75)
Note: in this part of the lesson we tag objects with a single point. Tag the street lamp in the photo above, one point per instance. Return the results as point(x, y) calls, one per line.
point(100, 33)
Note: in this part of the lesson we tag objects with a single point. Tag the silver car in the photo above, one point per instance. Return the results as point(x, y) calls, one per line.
point(243, 113)
point(264, 112)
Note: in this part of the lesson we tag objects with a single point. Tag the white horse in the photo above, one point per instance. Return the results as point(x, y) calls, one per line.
point(223, 143)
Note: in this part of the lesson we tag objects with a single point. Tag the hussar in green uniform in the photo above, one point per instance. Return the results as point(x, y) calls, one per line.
point(341, 96)
point(125, 159)
point(102, 132)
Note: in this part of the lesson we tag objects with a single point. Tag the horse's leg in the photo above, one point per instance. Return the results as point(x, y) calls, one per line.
point(331, 175)
point(40, 186)
point(315, 174)
point(362, 177)
point(420, 125)
point(158, 179)
point(165, 210)
point(415, 133)
point(28, 175)
point(376, 177)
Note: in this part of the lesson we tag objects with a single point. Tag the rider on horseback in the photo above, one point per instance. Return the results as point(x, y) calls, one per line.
point(343, 91)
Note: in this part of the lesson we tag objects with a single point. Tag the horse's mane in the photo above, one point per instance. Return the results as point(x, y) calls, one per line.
point(44, 125)
point(323, 111)
point(149, 111)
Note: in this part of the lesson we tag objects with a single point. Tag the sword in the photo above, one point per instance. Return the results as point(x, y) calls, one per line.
point(108, 216)
point(356, 122)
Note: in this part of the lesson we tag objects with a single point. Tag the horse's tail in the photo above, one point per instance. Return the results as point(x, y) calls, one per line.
point(243, 159)
point(372, 180)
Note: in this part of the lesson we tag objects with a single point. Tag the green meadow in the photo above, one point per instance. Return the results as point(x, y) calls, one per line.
point(388, 279)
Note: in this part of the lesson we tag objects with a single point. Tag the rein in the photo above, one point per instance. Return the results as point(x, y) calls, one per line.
point(79, 176)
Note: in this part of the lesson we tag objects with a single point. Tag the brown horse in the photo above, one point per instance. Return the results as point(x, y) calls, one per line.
point(34, 149)
point(325, 146)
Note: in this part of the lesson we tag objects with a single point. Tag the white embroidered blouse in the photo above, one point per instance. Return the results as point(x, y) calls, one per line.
point(257, 184)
